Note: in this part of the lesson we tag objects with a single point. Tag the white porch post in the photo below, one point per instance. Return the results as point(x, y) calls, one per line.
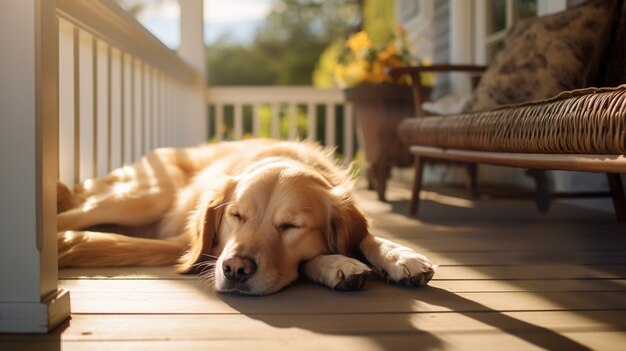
point(29, 298)
point(192, 50)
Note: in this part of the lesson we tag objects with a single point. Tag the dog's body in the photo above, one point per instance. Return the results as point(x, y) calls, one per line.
point(264, 210)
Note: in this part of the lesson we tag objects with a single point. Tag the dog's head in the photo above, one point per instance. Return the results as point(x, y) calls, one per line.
point(277, 214)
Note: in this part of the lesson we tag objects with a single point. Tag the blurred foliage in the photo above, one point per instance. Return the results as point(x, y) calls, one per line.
point(379, 21)
point(324, 73)
point(286, 46)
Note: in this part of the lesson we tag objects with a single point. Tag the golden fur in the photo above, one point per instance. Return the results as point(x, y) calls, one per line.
point(261, 211)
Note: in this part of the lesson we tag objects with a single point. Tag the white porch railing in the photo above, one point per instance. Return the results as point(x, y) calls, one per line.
point(83, 89)
point(299, 112)
point(122, 91)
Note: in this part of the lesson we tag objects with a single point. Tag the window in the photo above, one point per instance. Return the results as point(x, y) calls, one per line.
point(501, 16)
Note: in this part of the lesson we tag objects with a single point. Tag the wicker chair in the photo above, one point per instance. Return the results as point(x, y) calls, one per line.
point(582, 130)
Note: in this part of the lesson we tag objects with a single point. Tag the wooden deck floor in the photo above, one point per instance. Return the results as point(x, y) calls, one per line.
point(509, 278)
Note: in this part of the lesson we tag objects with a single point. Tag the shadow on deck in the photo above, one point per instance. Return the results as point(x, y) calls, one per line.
point(509, 278)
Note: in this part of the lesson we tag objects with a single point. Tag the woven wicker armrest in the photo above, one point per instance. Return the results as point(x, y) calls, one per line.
point(588, 121)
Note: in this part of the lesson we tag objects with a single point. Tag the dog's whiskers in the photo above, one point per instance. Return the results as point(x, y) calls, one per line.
point(207, 276)
point(204, 263)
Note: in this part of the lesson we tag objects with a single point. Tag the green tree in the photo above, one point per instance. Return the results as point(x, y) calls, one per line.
point(234, 64)
point(286, 47)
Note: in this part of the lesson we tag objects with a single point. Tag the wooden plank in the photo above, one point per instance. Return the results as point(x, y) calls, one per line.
point(596, 330)
point(566, 162)
point(443, 272)
point(512, 242)
point(193, 285)
point(615, 285)
point(486, 341)
point(125, 273)
point(376, 297)
point(532, 272)
point(268, 326)
point(113, 285)
point(507, 258)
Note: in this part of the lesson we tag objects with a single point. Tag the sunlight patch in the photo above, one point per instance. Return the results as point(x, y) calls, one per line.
point(447, 200)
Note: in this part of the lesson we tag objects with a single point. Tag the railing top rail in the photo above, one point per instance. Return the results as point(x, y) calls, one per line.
point(109, 22)
point(272, 94)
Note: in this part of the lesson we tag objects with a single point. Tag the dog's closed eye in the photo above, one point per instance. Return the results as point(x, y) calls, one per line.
point(238, 216)
point(283, 227)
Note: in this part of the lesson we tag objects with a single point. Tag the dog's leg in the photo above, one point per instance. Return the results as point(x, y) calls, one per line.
point(132, 208)
point(122, 204)
point(336, 271)
point(397, 263)
point(133, 195)
point(95, 249)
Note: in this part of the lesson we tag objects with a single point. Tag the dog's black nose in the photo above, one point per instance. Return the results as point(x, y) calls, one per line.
point(238, 269)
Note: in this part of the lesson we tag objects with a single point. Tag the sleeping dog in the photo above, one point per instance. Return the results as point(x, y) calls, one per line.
point(252, 215)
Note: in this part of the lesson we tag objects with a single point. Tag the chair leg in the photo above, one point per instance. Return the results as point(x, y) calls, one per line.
point(617, 194)
point(472, 172)
point(370, 179)
point(542, 192)
point(417, 185)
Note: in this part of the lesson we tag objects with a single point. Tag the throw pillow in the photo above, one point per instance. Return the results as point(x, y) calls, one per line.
point(546, 55)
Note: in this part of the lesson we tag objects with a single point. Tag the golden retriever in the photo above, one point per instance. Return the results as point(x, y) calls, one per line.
point(252, 215)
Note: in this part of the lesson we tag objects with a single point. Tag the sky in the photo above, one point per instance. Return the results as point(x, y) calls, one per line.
point(238, 19)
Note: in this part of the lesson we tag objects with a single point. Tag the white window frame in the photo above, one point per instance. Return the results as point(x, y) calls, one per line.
point(483, 40)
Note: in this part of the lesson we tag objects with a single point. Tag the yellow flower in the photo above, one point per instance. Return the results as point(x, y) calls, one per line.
point(359, 42)
point(388, 53)
point(352, 73)
point(377, 73)
point(363, 63)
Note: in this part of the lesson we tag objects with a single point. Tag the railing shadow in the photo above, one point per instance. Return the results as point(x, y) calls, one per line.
point(390, 325)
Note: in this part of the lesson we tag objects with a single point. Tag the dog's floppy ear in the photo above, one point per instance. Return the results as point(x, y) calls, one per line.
point(348, 225)
point(203, 226)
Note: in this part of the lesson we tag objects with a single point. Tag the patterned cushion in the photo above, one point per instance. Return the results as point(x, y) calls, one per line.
point(546, 55)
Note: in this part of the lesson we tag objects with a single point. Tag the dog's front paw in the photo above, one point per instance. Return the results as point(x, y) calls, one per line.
point(397, 263)
point(406, 267)
point(352, 278)
point(338, 272)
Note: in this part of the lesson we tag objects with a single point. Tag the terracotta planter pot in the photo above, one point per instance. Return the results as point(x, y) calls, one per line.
point(379, 109)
